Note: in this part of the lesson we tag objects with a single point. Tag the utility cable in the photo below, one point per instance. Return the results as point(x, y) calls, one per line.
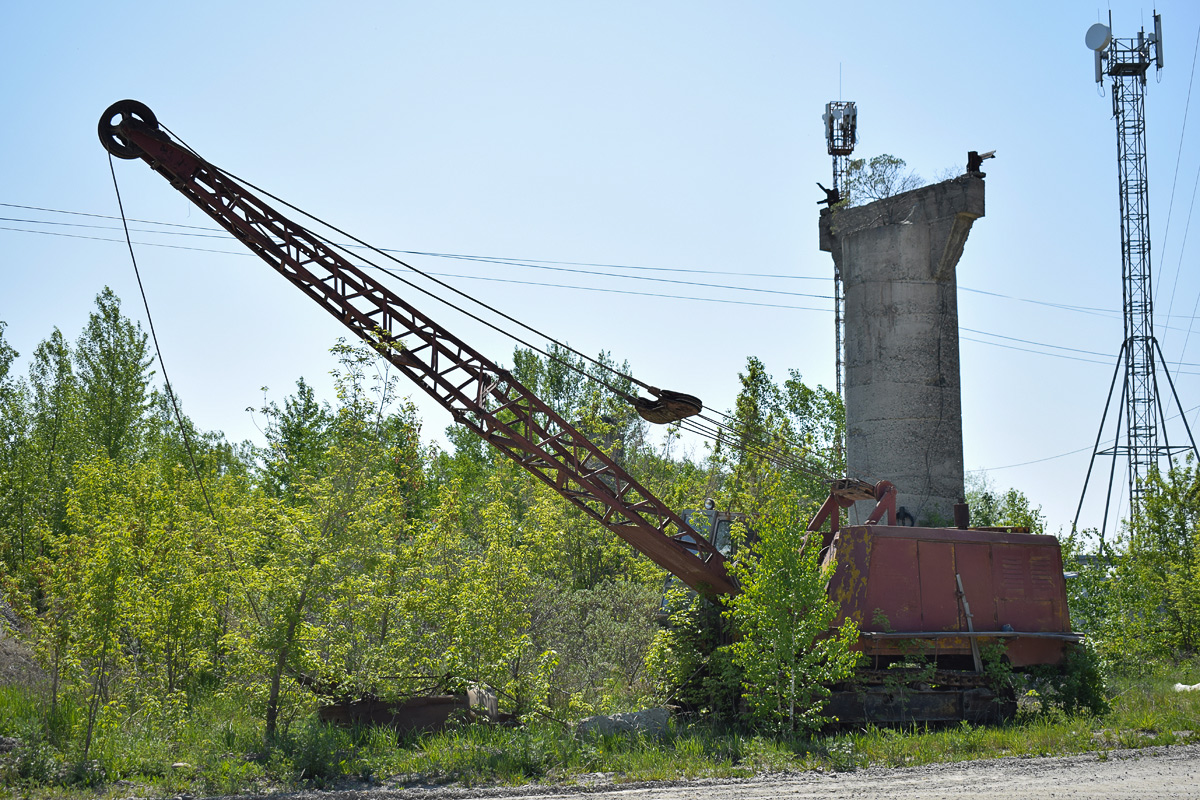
point(1191, 318)
point(615, 390)
point(449, 274)
point(531, 262)
point(1178, 157)
point(752, 449)
point(1106, 442)
point(487, 260)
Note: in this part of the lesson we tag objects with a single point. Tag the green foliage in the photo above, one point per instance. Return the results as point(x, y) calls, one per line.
point(786, 436)
point(992, 508)
point(689, 660)
point(342, 559)
point(1139, 597)
point(114, 378)
point(787, 651)
point(1164, 556)
point(878, 178)
point(298, 437)
point(219, 740)
point(600, 636)
point(1076, 686)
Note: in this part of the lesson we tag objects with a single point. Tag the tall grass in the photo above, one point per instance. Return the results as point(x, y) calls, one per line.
point(216, 746)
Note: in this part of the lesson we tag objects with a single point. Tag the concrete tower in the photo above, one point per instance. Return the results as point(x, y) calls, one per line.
point(897, 260)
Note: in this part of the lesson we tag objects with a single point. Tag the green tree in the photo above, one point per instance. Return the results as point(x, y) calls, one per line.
point(1138, 597)
point(55, 438)
point(1163, 557)
point(334, 536)
point(993, 508)
point(878, 178)
point(15, 528)
point(788, 650)
point(114, 379)
point(789, 434)
point(153, 548)
point(298, 439)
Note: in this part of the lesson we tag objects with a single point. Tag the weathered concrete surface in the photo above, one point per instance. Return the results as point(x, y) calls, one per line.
point(897, 258)
point(651, 721)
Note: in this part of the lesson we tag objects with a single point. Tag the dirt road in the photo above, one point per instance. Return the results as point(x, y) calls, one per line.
point(1160, 772)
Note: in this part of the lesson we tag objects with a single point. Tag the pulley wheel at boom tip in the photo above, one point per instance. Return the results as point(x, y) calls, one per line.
point(668, 407)
point(110, 123)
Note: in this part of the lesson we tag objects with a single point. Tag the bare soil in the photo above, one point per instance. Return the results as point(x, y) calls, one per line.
point(1155, 772)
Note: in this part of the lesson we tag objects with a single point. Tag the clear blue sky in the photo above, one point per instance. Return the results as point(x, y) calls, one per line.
point(681, 135)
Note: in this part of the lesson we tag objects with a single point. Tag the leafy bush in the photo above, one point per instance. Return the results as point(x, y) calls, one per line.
point(1076, 686)
point(788, 650)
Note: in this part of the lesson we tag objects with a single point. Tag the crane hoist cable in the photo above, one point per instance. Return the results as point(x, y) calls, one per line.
point(669, 406)
point(727, 435)
point(183, 428)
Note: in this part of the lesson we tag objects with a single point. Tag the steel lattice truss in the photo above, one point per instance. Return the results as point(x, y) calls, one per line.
point(478, 393)
point(1141, 432)
point(1128, 67)
point(841, 134)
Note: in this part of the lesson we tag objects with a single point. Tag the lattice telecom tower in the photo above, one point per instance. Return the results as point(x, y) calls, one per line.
point(1141, 433)
point(841, 132)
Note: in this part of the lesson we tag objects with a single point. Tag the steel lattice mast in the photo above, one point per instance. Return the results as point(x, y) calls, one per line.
point(841, 133)
point(1141, 434)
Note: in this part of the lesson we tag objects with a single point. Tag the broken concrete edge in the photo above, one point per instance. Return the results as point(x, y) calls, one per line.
point(963, 195)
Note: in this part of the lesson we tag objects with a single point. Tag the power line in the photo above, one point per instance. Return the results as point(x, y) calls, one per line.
point(484, 259)
point(218, 233)
point(724, 301)
point(109, 216)
point(622, 291)
point(1039, 344)
point(1178, 157)
point(1106, 442)
point(1107, 312)
point(529, 263)
point(487, 259)
point(446, 274)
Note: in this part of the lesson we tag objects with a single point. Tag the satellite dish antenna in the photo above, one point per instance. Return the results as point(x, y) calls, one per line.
point(1098, 37)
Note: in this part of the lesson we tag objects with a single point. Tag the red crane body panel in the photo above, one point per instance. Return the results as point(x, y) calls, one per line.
point(901, 584)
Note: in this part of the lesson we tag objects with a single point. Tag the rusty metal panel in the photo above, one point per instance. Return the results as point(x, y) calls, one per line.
point(1023, 652)
point(851, 552)
point(973, 561)
point(1009, 578)
point(1027, 580)
point(893, 586)
point(939, 600)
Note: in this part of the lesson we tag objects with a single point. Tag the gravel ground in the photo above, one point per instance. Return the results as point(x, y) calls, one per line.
point(1158, 772)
